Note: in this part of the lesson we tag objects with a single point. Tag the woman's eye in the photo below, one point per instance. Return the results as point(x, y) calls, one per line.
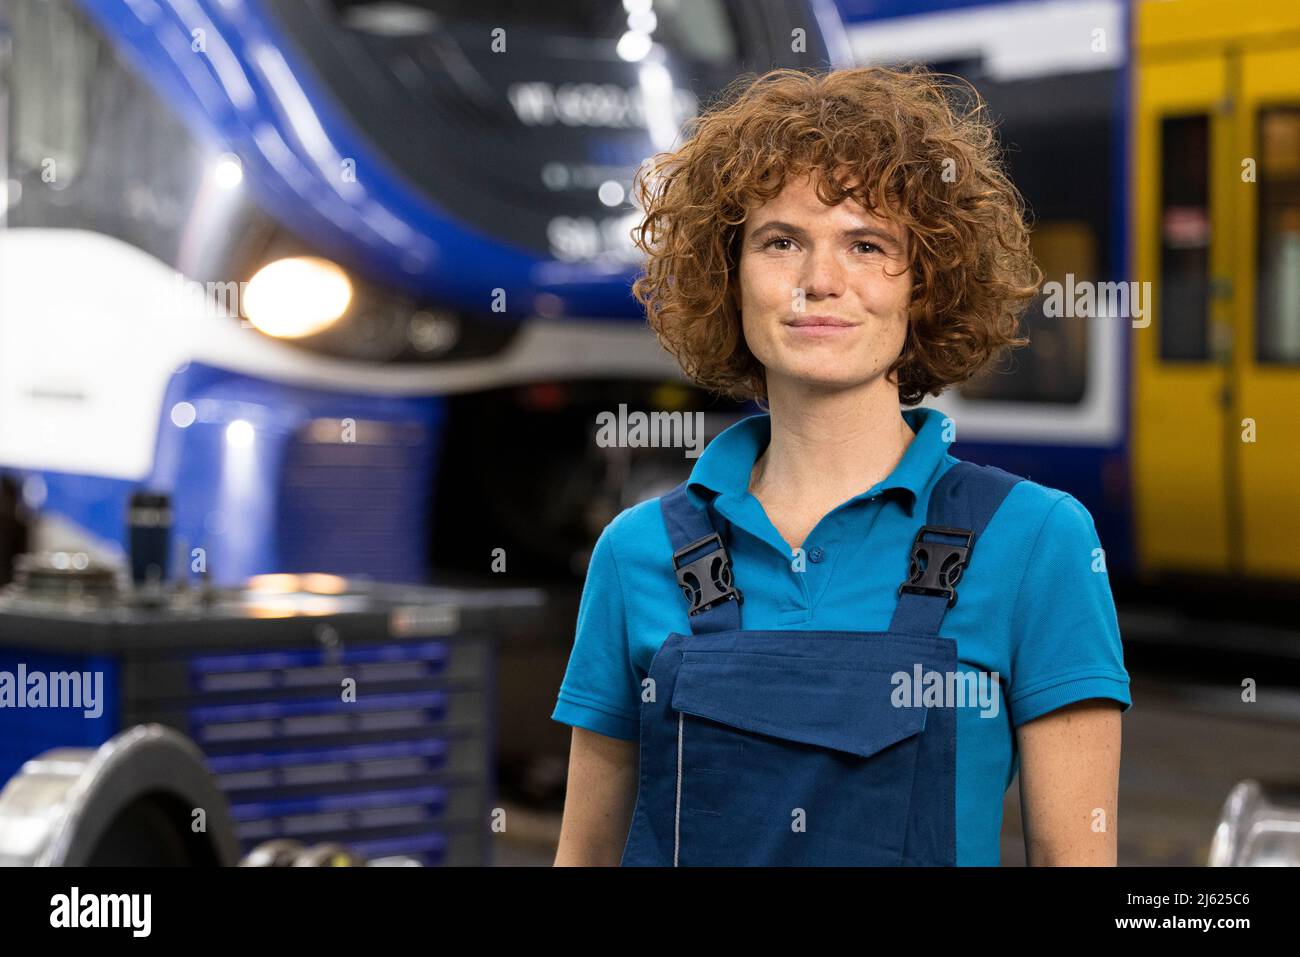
point(771, 244)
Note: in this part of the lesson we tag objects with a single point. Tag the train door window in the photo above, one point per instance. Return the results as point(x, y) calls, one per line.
point(1277, 309)
point(52, 66)
point(1058, 133)
point(1184, 238)
point(1054, 366)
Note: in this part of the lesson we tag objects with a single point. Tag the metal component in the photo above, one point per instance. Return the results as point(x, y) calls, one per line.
point(285, 852)
point(278, 853)
point(57, 576)
point(1259, 827)
point(130, 802)
point(329, 855)
point(149, 526)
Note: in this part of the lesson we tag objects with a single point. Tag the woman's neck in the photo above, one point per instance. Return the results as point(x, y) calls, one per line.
point(827, 447)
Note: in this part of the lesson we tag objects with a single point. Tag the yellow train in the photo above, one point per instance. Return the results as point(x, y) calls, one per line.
point(1158, 147)
point(1216, 225)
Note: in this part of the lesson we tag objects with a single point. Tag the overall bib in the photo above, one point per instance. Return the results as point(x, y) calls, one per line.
point(784, 747)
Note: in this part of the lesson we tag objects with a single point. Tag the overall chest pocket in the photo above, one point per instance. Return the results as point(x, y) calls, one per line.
point(796, 750)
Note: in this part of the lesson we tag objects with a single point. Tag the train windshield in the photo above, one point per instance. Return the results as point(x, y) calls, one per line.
point(697, 29)
point(528, 118)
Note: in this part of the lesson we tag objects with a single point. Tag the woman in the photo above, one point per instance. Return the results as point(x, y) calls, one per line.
point(772, 665)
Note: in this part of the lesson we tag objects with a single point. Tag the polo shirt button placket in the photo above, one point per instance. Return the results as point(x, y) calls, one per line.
point(815, 555)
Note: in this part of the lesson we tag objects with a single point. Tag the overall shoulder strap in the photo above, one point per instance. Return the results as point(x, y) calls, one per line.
point(701, 564)
point(961, 505)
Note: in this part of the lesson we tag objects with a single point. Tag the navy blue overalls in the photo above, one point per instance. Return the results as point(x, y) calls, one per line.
point(784, 747)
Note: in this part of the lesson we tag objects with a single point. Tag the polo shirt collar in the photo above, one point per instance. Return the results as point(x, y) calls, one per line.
point(726, 463)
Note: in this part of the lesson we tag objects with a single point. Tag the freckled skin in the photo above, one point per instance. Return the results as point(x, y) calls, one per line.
point(856, 277)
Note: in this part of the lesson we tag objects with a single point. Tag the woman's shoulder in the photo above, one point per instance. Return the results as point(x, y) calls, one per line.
point(1028, 502)
point(1042, 510)
point(636, 531)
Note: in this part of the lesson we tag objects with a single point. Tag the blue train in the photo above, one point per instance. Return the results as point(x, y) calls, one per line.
point(342, 286)
point(343, 279)
point(349, 280)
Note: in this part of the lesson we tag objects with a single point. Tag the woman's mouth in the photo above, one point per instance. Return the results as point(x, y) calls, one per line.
point(820, 325)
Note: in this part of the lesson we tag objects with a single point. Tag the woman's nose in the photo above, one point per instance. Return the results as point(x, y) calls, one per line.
point(822, 274)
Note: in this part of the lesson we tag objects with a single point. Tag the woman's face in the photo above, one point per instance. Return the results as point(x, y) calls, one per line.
point(823, 290)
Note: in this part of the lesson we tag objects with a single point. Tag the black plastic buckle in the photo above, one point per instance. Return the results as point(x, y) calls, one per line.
point(706, 581)
point(943, 563)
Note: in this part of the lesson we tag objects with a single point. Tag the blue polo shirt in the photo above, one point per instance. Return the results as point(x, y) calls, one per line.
point(1035, 603)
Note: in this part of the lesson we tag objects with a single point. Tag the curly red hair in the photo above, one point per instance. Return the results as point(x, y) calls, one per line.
point(915, 146)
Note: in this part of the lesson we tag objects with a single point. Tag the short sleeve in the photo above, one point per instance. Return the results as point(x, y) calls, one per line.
point(599, 690)
point(1066, 642)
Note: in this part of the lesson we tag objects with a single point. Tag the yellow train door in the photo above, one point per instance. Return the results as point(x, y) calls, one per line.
point(1266, 363)
point(1181, 247)
point(1217, 233)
